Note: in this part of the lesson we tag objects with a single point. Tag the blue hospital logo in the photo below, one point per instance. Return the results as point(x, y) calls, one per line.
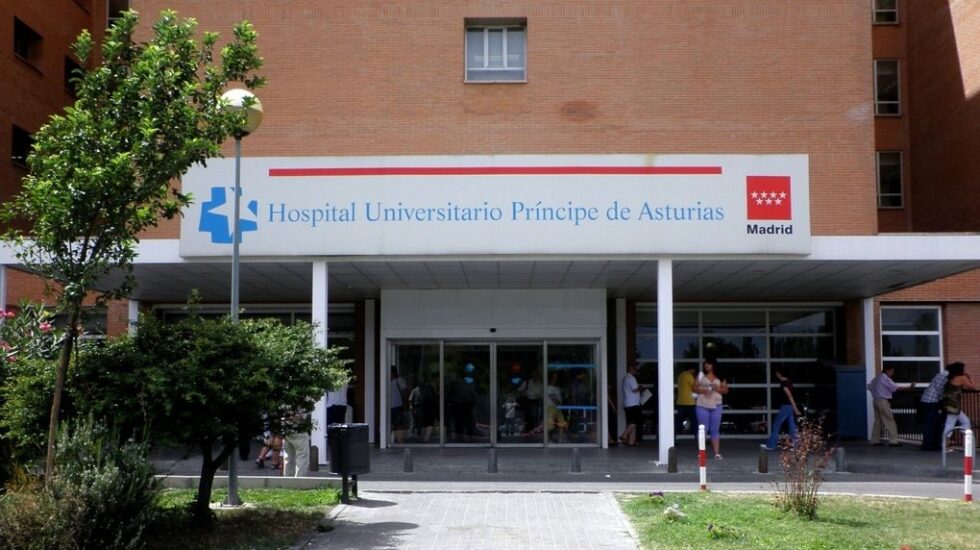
point(217, 215)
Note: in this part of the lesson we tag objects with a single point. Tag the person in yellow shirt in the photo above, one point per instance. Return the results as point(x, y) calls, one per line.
point(685, 400)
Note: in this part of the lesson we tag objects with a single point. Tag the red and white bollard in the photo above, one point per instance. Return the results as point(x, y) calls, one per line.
point(702, 459)
point(968, 451)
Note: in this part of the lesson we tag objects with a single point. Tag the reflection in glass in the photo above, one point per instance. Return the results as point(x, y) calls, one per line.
point(913, 371)
point(519, 395)
point(910, 346)
point(909, 319)
point(467, 393)
point(801, 322)
point(734, 321)
point(570, 395)
point(414, 394)
point(738, 347)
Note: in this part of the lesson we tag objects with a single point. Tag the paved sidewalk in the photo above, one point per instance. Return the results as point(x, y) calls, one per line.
point(478, 521)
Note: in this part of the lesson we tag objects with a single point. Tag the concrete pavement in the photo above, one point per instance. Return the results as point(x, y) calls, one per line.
point(450, 500)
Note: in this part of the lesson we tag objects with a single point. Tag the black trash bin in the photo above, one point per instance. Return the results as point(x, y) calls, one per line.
point(349, 456)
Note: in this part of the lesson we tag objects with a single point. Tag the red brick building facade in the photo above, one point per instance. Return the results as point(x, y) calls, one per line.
point(839, 81)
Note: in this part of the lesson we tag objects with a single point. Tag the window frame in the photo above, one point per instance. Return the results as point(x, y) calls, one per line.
point(898, 89)
point(114, 9)
point(18, 136)
point(70, 65)
point(901, 180)
point(26, 43)
point(486, 26)
point(876, 10)
point(938, 334)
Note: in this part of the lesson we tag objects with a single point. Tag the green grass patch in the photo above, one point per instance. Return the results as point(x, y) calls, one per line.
point(716, 520)
point(273, 519)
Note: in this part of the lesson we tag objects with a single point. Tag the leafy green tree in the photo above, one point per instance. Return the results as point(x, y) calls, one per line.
point(207, 383)
point(104, 171)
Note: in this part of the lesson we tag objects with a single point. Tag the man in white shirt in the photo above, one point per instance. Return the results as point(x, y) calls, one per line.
point(631, 406)
point(882, 388)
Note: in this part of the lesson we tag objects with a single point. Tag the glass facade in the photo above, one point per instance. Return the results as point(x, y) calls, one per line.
point(493, 393)
point(749, 343)
point(911, 341)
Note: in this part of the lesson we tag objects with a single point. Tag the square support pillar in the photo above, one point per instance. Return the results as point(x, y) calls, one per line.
point(665, 358)
point(320, 315)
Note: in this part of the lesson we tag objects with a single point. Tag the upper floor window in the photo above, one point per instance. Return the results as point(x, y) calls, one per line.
point(889, 179)
point(71, 74)
point(887, 101)
point(885, 12)
point(114, 9)
point(20, 145)
point(27, 42)
point(496, 52)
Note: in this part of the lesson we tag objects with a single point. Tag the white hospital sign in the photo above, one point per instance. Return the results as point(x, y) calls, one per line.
point(548, 204)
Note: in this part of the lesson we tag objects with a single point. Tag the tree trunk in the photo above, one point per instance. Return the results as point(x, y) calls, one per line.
point(209, 467)
point(59, 386)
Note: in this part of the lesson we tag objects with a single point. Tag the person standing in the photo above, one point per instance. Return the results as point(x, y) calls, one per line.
point(397, 397)
point(297, 448)
point(685, 399)
point(932, 417)
point(882, 388)
point(952, 399)
point(788, 411)
point(708, 404)
point(631, 406)
point(337, 405)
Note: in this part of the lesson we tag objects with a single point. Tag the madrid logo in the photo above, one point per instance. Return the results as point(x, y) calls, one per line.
point(768, 198)
point(217, 215)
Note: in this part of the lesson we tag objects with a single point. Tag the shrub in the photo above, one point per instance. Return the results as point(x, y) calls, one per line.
point(803, 465)
point(102, 496)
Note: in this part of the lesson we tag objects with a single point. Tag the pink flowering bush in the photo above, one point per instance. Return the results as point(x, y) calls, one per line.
point(28, 332)
point(29, 345)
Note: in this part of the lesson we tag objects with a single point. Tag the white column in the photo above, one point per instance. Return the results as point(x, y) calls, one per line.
point(868, 318)
point(370, 366)
point(3, 288)
point(620, 363)
point(133, 315)
point(320, 308)
point(665, 357)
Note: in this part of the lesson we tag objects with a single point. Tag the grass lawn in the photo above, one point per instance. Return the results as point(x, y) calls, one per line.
point(843, 522)
point(273, 519)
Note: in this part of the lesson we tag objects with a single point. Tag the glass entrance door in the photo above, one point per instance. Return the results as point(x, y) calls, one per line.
point(466, 399)
point(571, 395)
point(520, 409)
point(493, 393)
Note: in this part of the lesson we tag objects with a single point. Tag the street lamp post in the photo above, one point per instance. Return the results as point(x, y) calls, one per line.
point(238, 100)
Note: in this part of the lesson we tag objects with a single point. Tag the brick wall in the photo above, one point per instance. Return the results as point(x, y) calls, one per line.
point(356, 77)
point(944, 55)
point(891, 133)
point(32, 91)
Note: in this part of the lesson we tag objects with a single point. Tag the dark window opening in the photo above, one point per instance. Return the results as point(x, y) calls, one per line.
point(27, 42)
point(20, 145)
point(72, 75)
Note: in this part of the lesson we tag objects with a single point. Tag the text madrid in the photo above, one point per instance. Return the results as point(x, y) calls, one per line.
point(518, 211)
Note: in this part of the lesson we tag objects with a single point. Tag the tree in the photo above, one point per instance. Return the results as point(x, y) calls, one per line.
point(104, 171)
point(207, 383)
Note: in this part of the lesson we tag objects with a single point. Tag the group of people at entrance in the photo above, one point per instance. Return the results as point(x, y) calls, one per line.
point(700, 397)
point(941, 406)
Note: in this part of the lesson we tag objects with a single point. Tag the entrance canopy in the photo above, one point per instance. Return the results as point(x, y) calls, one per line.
point(838, 268)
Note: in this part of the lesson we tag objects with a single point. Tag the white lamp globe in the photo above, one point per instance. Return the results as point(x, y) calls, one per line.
point(235, 100)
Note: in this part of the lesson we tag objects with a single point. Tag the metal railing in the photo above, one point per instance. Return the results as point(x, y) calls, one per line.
point(905, 405)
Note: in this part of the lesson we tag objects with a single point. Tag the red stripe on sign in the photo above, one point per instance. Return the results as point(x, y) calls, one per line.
point(499, 171)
